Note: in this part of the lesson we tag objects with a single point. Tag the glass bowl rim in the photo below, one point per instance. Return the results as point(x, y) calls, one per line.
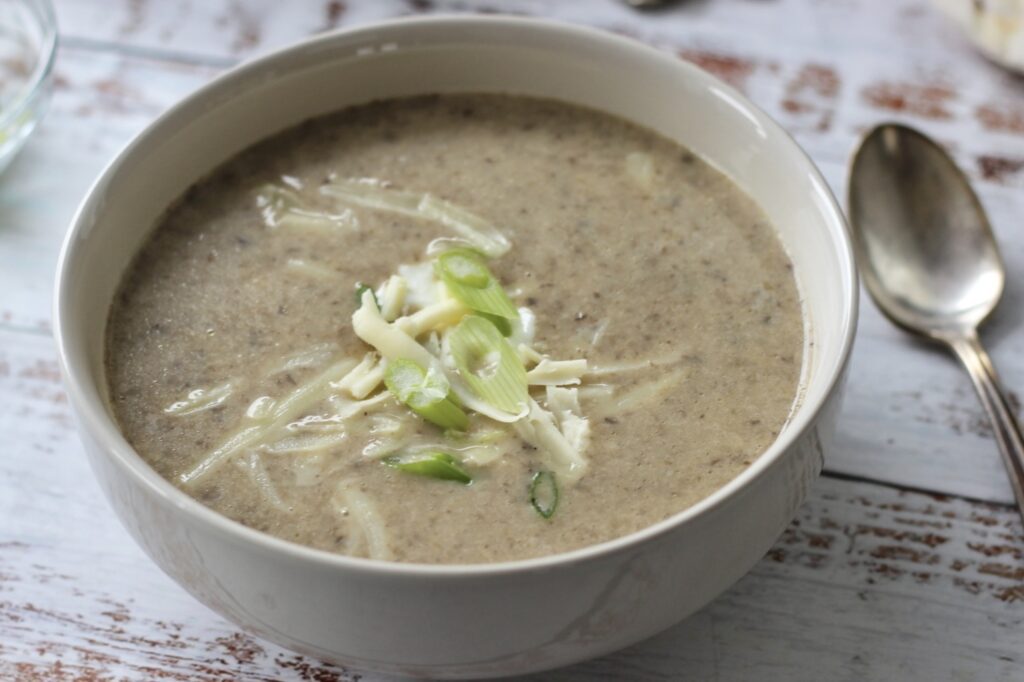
point(43, 13)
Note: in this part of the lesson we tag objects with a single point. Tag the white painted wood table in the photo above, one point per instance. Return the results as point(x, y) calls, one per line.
point(907, 561)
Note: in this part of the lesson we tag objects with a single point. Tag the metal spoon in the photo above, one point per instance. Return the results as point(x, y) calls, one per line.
point(648, 4)
point(929, 259)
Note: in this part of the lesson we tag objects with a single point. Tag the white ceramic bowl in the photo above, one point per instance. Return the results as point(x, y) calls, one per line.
point(458, 621)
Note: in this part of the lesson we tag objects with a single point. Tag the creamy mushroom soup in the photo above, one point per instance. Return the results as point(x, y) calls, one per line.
point(456, 329)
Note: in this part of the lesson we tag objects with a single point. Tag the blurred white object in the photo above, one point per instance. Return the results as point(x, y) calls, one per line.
point(995, 26)
point(28, 44)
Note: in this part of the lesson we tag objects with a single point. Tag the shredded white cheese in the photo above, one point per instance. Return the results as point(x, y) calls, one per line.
point(200, 400)
point(436, 317)
point(368, 383)
point(471, 228)
point(421, 284)
point(540, 429)
point(528, 355)
point(640, 169)
point(565, 405)
point(314, 356)
point(632, 366)
point(363, 522)
point(261, 408)
point(287, 409)
point(309, 269)
point(253, 467)
point(433, 344)
point(523, 328)
point(315, 221)
point(284, 207)
point(556, 372)
point(305, 443)
point(392, 297)
point(346, 409)
point(364, 377)
point(389, 339)
point(596, 390)
point(480, 455)
point(648, 393)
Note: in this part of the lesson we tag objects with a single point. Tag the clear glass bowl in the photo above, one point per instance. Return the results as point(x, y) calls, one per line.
point(28, 44)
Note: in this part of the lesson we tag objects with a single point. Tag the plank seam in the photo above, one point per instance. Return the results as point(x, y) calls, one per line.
point(931, 492)
point(24, 329)
point(144, 52)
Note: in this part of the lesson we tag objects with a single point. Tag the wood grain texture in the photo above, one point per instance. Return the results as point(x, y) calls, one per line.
point(869, 583)
point(826, 83)
point(866, 581)
point(100, 101)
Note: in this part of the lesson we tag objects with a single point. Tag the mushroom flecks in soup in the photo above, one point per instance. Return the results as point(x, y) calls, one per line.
point(456, 329)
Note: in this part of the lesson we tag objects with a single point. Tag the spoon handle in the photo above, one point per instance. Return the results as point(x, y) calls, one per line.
point(993, 398)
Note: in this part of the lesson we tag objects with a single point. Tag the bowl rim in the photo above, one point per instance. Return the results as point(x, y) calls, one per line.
point(94, 418)
point(46, 17)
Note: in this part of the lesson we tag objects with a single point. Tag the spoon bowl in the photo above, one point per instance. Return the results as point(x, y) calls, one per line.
point(930, 261)
point(925, 246)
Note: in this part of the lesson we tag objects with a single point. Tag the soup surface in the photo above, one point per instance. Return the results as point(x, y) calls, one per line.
point(654, 312)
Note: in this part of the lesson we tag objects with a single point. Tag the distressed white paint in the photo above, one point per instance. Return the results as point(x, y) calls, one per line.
point(868, 580)
point(931, 433)
point(855, 591)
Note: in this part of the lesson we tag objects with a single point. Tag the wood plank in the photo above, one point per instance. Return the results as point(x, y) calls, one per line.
point(910, 417)
point(841, 68)
point(867, 583)
point(100, 101)
point(227, 29)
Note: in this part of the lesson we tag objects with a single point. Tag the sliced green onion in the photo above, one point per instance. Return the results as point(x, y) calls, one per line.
point(466, 268)
point(425, 392)
point(411, 383)
point(360, 288)
point(467, 277)
point(433, 464)
point(444, 413)
point(504, 325)
point(544, 493)
point(488, 363)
